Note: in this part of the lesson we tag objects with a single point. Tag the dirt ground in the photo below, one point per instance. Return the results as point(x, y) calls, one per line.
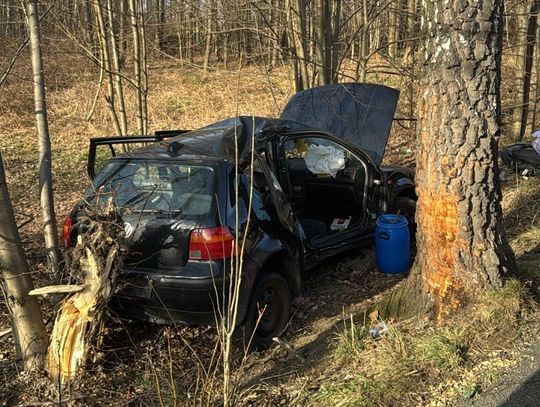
point(141, 364)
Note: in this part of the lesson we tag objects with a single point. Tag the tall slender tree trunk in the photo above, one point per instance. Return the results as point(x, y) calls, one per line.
point(106, 58)
point(320, 28)
point(520, 55)
point(333, 39)
point(521, 113)
point(117, 78)
point(297, 42)
point(462, 247)
point(208, 44)
point(50, 232)
point(144, 69)
point(28, 327)
point(361, 66)
point(393, 30)
point(160, 29)
point(411, 19)
point(137, 63)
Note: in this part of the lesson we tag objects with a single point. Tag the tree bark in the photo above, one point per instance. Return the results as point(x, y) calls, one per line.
point(207, 48)
point(462, 246)
point(297, 42)
point(321, 27)
point(521, 111)
point(144, 70)
point(106, 58)
point(28, 327)
point(521, 22)
point(393, 31)
point(137, 63)
point(50, 232)
point(117, 78)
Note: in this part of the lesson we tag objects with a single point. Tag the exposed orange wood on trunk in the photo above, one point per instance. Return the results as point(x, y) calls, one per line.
point(438, 220)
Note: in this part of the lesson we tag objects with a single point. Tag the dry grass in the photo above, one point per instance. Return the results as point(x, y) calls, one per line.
point(404, 366)
point(411, 364)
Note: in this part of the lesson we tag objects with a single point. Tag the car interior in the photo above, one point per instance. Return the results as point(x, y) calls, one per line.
point(158, 186)
point(326, 185)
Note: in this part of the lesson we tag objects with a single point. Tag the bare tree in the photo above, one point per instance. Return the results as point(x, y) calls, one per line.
point(527, 39)
point(44, 143)
point(139, 63)
point(112, 83)
point(462, 246)
point(28, 327)
point(117, 77)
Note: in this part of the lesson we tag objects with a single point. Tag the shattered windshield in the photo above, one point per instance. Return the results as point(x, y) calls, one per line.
point(155, 186)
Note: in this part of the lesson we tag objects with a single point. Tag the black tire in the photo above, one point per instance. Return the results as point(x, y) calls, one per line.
point(271, 294)
point(407, 207)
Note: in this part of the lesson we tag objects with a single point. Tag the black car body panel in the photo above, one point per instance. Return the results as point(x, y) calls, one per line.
point(358, 113)
point(270, 200)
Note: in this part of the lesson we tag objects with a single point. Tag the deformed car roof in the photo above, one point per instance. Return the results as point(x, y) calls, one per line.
point(360, 114)
point(218, 139)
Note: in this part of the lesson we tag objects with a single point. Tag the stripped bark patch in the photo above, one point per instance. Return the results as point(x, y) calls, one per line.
point(438, 220)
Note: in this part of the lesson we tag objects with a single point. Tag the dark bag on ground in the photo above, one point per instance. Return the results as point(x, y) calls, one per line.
point(521, 157)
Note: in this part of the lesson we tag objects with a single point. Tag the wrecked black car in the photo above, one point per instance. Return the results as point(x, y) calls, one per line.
point(293, 191)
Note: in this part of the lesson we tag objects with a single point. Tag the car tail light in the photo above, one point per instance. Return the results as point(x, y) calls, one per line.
point(66, 232)
point(211, 243)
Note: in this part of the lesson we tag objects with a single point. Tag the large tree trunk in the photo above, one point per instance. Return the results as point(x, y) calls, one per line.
point(44, 143)
point(462, 246)
point(28, 327)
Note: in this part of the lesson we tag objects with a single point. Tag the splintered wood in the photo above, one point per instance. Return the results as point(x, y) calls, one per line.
point(78, 316)
point(94, 263)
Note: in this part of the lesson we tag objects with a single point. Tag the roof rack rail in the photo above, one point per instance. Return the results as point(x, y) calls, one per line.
point(169, 133)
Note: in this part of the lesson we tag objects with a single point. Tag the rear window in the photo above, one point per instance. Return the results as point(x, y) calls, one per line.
point(155, 186)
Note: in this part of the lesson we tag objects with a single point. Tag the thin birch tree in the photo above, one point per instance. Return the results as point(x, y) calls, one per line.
point(50, 231)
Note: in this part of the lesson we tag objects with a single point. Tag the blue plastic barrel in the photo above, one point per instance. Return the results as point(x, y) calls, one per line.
point(392, 244)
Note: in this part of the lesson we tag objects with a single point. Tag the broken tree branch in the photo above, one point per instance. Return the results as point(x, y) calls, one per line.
point(95, 261)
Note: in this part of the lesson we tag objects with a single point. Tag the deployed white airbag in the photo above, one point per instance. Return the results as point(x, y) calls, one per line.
point(324, 159)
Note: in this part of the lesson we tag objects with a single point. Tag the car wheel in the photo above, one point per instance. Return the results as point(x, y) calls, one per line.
point(407, 207)
point(268, 312)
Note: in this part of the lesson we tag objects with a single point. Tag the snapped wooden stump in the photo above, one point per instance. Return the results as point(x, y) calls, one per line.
point(94, 262)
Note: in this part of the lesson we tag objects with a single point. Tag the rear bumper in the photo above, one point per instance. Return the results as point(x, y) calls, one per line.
point(176, 299)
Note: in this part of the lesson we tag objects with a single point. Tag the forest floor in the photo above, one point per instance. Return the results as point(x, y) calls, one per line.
point(334, 361)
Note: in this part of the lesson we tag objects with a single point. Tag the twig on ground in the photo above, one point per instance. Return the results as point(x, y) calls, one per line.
point(289, 347)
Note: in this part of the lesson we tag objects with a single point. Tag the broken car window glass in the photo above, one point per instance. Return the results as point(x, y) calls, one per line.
point(155, 186)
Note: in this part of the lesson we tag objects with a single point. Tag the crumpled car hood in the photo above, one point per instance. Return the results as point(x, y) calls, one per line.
point(360, 114)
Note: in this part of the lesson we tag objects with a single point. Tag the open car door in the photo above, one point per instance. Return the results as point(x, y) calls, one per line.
point(102, 149)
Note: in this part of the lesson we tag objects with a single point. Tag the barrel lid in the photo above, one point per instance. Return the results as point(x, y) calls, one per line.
point(392, 221)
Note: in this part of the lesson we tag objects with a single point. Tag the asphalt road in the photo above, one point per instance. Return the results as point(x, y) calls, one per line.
point(520, 388)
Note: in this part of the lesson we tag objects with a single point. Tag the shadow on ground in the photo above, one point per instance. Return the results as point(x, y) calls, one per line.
point(527, 394)
point(335, 291)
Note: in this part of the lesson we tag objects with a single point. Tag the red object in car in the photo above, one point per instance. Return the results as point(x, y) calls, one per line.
point(211, 244)
point(66, 232)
